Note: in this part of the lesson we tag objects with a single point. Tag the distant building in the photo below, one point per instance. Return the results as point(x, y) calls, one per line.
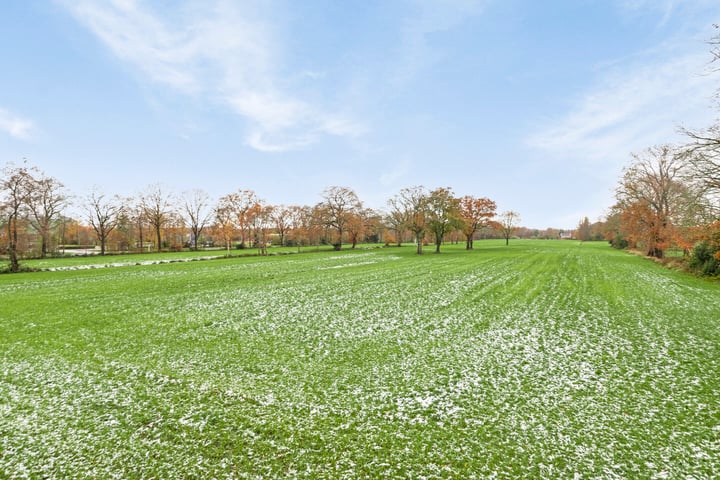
point(566, 235)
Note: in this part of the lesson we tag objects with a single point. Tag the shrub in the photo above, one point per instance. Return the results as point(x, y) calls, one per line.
point(619, 242)
point(703, 260)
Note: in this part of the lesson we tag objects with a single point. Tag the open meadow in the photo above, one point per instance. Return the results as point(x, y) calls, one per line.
point(544, 359)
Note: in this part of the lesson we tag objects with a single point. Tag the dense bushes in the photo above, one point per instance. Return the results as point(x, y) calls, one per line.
point(619, 242)
point(704, 259)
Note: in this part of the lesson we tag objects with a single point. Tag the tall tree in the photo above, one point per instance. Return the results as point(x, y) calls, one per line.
point(702, 153)
point(157, 207)
point(104, 214)
point(196, 212)
point(508, 222)
point(443, 213)
point(15, 191)
point(242, 202)
point(374, 225)
point(139, 220)
point(261, 221)
point(306, 225)
point(397, 218)
point(340, 204)
point(475, 213)
point(225, 221)
point(649, 194)
point(46, 201)
point(583, 232)
point(359, 225)
point(412, 204)
point(282, 217)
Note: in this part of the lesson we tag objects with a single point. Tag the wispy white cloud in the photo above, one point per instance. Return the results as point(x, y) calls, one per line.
point(632, 106)
point(14, 125)
point(264, 141)
point(665, 10)
point(221, 51)
point(637, 7)
point(428, 17)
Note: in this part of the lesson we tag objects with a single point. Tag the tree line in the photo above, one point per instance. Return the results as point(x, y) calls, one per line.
point(33, 223)
point(669, 197)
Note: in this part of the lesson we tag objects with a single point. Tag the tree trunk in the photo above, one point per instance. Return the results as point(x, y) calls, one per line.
point(338, 245)
point(419, 239)
point(159, 238)
point(468, 242)
point(140, 233)
point(43, 245)
point(12, 246)
point(14, 264)
point(195, 239)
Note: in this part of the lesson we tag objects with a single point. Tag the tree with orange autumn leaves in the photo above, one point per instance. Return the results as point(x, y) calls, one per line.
point(669, 196)
point(475, 213)
point(340, 206)
point(658, 205)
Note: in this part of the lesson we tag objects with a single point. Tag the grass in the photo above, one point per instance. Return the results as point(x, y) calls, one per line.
point(544, 359)
point(126, 259)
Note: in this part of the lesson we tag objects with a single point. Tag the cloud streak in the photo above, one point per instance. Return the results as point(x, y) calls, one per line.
point(217, 52)
point(631, 107)
point(15, 126)
point(428, 17)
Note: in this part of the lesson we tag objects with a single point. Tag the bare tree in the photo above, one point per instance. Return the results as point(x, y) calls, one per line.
point(139, 220)
point(509, 222)
point(261, 221)
point(156, 207)
point(104, 215)
point(340, 204)
point(412, 204)
point(242, 202)
point(397, 218)
point(649, 194)
point(282, 217)
point(225, 221)
point(196, 213)
point(46, 201)
point(702, 153)
point(15, 191)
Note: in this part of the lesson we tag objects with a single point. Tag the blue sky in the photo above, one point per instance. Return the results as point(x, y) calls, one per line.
point(536, 105)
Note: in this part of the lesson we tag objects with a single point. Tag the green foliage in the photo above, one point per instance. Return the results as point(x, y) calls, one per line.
point(540, 360)
point(619, 242)
point(703, 260)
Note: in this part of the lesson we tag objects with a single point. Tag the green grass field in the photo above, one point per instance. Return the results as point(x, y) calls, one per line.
point(129, 259)
point(544, 359)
